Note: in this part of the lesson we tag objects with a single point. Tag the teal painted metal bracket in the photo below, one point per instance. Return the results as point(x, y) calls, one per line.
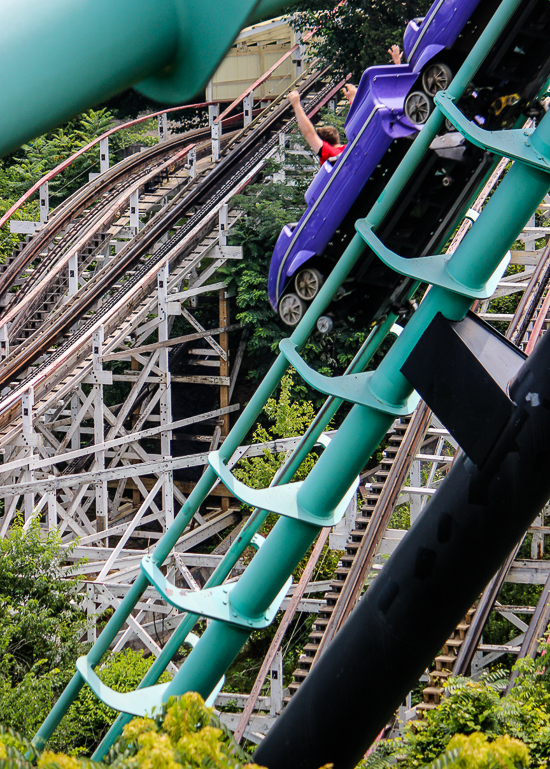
point(354, 388)
point(141, 702)
point(513, 144)
point(281, 500)
point(429, 269)
point(214, 603)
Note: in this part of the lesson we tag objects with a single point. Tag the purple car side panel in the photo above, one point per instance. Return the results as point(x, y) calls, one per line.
point(428, 53)
point(379, 85)
point(375, 120)
point(318, 184)
point(440, 27)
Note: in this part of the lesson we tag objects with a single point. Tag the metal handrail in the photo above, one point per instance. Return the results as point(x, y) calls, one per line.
point(66, 163)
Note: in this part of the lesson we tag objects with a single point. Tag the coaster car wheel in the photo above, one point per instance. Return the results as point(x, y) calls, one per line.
point(307, 283)
point(436, 77)
point(291, 309)
point(418, 107)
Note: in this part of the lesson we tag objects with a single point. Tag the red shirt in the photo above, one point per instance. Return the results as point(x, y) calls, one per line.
point(329, 151)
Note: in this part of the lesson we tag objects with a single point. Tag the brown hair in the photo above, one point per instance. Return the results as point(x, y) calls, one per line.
point(329, 134)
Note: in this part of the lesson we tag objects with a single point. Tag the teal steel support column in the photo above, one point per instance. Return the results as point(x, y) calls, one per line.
point(245, 422)
point(476, 259)
point(347, 453)
point(60, 57)
point(237, 547)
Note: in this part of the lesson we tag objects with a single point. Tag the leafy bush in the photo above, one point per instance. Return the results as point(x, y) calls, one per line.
point(41, 618)
point(476, 752)
point(288, 419)
point(186, 735)
point(41, 624)
point(477, 707)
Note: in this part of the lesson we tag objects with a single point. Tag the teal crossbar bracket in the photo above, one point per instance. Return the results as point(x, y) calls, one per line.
point(514, 144)
point(354, 388)
point(141, 702)
point(214, 603)
point(430, 269)
point(221, 641)
point(246, 536)
point(281, 500)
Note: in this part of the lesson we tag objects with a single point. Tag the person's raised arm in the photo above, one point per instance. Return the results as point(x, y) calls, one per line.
point(396, 54)
point(349, 92)
point(305, 125)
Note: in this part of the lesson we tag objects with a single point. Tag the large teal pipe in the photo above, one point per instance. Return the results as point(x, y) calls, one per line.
point(238, 433)
point(345, 456)
point(60, 57)
point(57, 58)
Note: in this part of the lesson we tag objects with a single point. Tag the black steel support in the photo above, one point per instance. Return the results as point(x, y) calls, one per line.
point(432, 579)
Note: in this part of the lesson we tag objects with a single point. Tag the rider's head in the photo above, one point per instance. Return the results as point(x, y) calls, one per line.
point(329, 134)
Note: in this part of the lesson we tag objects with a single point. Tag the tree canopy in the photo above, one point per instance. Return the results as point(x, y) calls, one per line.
point(356, 35)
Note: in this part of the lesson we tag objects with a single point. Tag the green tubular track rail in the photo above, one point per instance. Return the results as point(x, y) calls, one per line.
point(378, 397)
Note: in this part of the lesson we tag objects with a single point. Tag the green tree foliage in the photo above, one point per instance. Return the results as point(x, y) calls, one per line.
point(288, 418)
point(41, 623)
point(42, 626)
point(267, 208)
point(477, 752)
point(40, 612)
point(187, 735)
point(478, 707)
point(357, 35)
point(21, 170)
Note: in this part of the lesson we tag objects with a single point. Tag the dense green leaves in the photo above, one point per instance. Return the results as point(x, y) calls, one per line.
point(478, 707)
point(41, 624)
point(357, 35)
point(42, 627)
point(287, 419)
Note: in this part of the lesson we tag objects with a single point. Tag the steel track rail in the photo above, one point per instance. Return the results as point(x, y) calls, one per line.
point(78, 202)
point(124, 173)
point(82, 198)
point(223, 179)
point(35, 290)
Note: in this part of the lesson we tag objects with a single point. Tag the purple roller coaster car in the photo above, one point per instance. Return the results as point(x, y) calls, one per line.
point(391, 102)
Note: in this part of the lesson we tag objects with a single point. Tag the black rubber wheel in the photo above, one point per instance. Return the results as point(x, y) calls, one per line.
point(436, 77)
point(291, 309)
point(418, 107)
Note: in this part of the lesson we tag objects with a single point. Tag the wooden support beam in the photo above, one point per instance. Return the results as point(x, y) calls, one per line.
point(123, 354)
point(224, 372)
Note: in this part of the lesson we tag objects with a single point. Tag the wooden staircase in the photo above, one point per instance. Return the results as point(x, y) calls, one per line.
point(307, 659)
point(444, 664)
